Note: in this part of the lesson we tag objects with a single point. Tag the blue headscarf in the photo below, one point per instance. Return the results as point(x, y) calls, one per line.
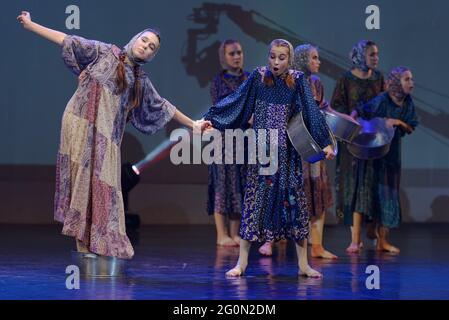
point(394, 83)
point(357, 55)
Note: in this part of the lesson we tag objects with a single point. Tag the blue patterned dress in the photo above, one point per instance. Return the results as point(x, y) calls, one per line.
point(226, 181)
point(354, 177)
point(387, 170)
point(275, 206)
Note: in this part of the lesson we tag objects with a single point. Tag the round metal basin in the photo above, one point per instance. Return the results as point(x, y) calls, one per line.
point(343, 126)
point(373, 141)
point(92, 265)
point(303, 142)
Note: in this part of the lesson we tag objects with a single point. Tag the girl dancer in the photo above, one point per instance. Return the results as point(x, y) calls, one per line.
point(397, 106)
point(316, 181)
point(113, 90)
point(354, 179)
point(226, 181)
point(274, 205)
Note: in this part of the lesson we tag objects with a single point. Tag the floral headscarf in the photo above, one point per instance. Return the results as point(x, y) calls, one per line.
point(357, 54)
point(394, 83)
point(301, 59)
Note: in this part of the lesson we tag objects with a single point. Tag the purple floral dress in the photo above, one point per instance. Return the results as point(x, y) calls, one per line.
point(88, 199)
point(226, 181)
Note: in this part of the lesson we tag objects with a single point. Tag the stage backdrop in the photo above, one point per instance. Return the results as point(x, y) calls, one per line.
point(35, 87)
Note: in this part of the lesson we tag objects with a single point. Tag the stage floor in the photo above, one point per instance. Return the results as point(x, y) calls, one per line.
point(177, 262)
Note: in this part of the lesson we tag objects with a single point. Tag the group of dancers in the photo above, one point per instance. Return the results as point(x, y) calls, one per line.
point(114, 90)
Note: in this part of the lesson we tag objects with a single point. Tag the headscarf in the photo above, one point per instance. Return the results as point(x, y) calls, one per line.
point(282, 42)
point(394, 83)
point(129, 46)
point(301, 59)
point(221, 52)
point(357, 54)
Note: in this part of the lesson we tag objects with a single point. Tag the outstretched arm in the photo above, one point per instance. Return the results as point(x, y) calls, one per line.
point(155, 112)
point(54, 36)
point(196, 126)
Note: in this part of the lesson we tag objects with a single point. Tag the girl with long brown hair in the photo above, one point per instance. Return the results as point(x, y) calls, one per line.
point(112, 90)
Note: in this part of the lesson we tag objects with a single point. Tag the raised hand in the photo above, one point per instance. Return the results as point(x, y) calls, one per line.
point(25, 19)
point(52, 35)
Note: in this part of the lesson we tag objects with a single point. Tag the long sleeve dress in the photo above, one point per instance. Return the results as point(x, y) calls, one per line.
point(226, 181)
point(387, 170)
point(274, 206)
point(354, 177)
point(317, 185)
point(88, 198)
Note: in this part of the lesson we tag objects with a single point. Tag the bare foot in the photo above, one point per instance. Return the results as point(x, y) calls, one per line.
point(237, 271)
point(354, 248)
point(266, 249)
point(226, 242)
point(309, 272)
point(385, 246)
point(320, 252)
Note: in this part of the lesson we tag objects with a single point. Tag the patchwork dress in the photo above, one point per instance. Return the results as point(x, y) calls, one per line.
point(88, 199)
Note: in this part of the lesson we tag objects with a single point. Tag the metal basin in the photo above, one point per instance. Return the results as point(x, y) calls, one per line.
point(303, 142)
point(91, 265)
point(373, 141)
point(343, 126)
